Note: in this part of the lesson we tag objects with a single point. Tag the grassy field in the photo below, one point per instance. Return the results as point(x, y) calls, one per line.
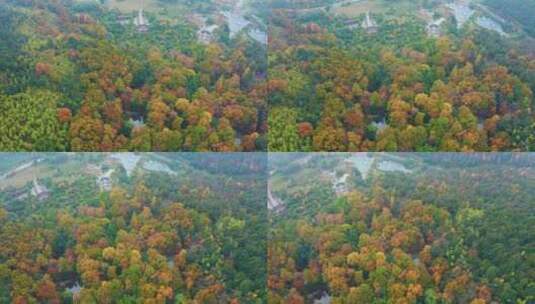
point(127, 6)
point(376, 6)
point(153, 6)
point(21, 178)
point(68, 171)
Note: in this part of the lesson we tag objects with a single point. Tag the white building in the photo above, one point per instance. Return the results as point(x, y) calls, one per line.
point(369, 24)
point(433, 28)
point(141, 23)
point(124, 20)
point(104, 181)
point(39, 191)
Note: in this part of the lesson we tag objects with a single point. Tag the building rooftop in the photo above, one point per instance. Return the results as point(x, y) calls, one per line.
point(104, 181)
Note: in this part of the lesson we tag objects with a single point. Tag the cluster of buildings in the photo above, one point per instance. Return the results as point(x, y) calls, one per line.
point(103, 179)
point(340, 184)
point(39, 191)
point(460, 10)
point(371, 27)
point(368, 24)
point(140, 21)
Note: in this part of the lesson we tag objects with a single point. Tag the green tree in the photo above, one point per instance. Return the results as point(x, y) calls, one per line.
point(29, 122)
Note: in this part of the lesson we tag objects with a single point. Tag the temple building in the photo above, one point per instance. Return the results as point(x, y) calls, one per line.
point(141, 23)
point(369, 24)
point(39, 191)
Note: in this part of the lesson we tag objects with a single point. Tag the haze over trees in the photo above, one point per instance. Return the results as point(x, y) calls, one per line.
point(194, 236)
point(394, 237)
point(522, 11)
point(194, 228)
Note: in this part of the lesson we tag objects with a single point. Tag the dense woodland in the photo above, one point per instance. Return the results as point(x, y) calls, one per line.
point(154, 238)
point(450, 233)
point(72, 78)
point(333, 86)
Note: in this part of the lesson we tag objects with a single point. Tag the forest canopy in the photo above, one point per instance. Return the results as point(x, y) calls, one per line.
point(173, 233)
point(392, 235)
point(120, 86)
point(396, 79)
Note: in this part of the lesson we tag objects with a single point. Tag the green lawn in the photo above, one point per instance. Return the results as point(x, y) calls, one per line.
point(68, 170)
point(153, 6)
point(23, 177)
point(377, 6)
point(127, 6)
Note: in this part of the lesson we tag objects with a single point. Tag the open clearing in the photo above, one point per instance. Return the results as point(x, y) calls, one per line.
point(23, 177)
point(378, 6)
point(153, 6)
point(128, 6)
point(69, 170)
